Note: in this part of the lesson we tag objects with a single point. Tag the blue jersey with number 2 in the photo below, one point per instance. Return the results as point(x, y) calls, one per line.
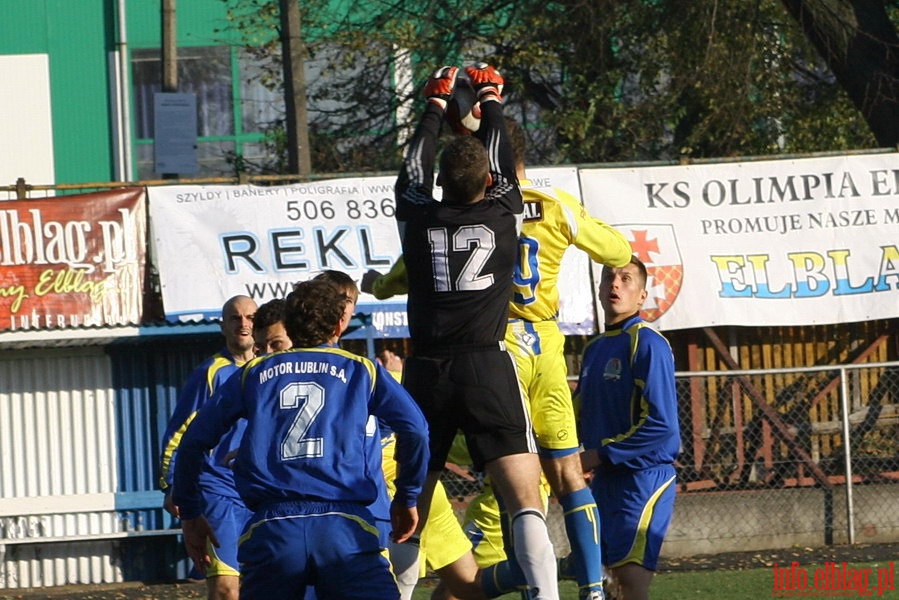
point(309, 431)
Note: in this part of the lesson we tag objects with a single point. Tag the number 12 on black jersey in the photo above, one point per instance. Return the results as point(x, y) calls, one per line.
point(478, 240)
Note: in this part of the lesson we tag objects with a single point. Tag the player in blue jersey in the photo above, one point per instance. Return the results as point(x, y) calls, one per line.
point(380, 430)
point(442, 542)
point(269, 332)
point(224, 508)
point(305, 466)
point(270, 335)
point(629, 429)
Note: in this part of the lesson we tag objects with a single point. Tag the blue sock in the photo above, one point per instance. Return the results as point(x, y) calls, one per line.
point(582, 527)
point(502, 578)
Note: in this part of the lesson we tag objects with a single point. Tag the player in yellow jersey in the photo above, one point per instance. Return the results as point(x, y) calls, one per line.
point(552, 224)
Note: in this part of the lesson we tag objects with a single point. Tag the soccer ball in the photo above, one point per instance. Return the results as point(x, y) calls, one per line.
point(463, 112)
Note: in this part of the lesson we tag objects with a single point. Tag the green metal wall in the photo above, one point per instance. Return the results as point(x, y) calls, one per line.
point(79, 39)
point(79, 36)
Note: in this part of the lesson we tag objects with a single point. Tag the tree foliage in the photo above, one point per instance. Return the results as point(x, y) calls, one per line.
point(597, 81)
point(858, 41)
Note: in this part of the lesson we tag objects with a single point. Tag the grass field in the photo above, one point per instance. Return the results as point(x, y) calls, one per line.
point(754, 583)
point(739, 576)
point(744, 584)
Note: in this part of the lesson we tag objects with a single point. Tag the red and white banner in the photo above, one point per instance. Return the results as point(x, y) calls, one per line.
point(72, 261)
point(775, 242)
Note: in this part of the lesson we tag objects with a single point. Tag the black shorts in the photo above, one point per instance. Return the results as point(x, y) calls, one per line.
point(475, 391)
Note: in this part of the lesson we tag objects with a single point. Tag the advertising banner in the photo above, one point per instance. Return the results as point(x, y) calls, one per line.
point(72, 261)
point(215, 242)
point(775, 242)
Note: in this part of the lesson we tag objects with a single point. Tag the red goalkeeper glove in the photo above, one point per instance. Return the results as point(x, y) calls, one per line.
point(440, 87)
point(486, 80)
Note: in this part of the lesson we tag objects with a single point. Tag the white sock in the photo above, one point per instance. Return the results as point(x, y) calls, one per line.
point(535, 555)
point(404, 561)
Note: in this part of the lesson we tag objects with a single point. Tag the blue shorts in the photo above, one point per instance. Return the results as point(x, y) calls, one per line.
point(635, 509)
point(228, 518)
point(333, 547)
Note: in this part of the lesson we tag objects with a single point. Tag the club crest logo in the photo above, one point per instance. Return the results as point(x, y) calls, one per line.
point(612, 370)
point(657, 247)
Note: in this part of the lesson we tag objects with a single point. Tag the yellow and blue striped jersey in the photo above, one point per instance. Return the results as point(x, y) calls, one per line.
point(628, 397)
point(552, 223)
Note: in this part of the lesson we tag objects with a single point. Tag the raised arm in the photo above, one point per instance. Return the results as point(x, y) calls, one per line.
point(415, 183)
point(605, 244)
point(488, 84)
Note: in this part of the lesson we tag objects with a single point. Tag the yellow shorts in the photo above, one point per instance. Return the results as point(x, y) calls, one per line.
point(539, 350)
point(442, 539)
point(482, 525)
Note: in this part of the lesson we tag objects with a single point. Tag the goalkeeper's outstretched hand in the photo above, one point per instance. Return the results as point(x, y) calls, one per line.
point(440, 87)
point(486, 81)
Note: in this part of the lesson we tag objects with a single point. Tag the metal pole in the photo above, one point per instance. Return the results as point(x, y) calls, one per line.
point(847, 455)
point(123, 98)
point(169, 47)
point(21, 189)
point(370, 340)
point(169, 56)
point(292, 52)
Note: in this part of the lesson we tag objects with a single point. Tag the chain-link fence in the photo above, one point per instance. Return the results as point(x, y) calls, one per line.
point(765, 459)
point(764, 463)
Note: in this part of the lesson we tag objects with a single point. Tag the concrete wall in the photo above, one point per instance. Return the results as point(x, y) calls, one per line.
point(733, 521)
point(709, 523)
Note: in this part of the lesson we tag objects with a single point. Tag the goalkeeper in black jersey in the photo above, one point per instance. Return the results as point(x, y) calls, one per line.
point(460, 255)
